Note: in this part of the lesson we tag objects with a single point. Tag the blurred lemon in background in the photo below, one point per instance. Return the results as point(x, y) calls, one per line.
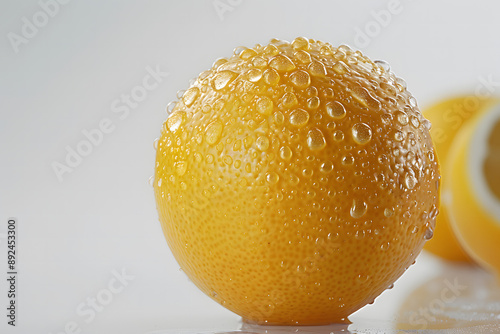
point(295, 182)
point(447, 118)
point(472, 187)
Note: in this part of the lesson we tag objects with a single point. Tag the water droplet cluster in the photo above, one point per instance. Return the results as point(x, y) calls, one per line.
point(304, 149)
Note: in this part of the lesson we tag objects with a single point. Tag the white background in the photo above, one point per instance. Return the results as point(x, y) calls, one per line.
point(101, 217)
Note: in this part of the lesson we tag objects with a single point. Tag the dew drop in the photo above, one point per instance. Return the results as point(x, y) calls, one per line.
point(170, 107)
point(383, 64)
point(176, 120)
point(228, 160)
point(190, 96)
point(313, 103)
point(300, 43)
point(347, 160)
point(307, 172)
point(358, 209)
point(180, 167)
point(262, 143)
point(219, 62)
point(430, 155)
point(364, 98)
point(413, 102)
point(271, 50)
point(317, 69)
point(180, 93)
point(361, 278)
point(415, 122)
point(271, 77)
point(272, 178)
point(316, 139)
point(329, 93)
point(279, 117)
point(282, 63)
point(402, 118)
point(361, 133)
point(213, 132)
point(206, 109)
point(410, 181)
point(388, 212)
point(293, 179)
point(151, 180)
point(155, 144)
point(427, 124)
point(429, 233)
point(299, 117)
point(300, 79)
point(279, 196)
point(264, 105)
point(247, 54)
point(238, 50)
point(326, 167)
point(222, 79)
point(335, 109)
point(302, 57)
point(259, 62)
point(254, 75)
point(399, 136)
point(340, 67)
point(338, 136)
point(289, 100)
point(312, 91)
point(311, 193)
point(285, 153)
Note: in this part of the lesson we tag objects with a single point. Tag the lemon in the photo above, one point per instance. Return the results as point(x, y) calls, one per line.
point(473, 187)
point(447, 118)
point(295, 182)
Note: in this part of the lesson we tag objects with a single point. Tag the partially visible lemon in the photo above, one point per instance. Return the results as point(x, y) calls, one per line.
point(447, 118)
point(295, 182)
point(473, 187)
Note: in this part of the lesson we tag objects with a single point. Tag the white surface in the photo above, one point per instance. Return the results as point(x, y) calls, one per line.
point(102, 217)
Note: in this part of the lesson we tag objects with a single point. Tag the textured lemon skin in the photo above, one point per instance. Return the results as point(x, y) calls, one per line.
point(296, 182)
point(447, 118)
point(476, 229)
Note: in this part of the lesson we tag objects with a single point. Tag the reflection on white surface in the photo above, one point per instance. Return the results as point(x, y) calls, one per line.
point(455, 300)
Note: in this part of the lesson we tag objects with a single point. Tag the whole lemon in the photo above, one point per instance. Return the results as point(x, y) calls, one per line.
point(448, 118)
point(472, 186)
point(295, 182)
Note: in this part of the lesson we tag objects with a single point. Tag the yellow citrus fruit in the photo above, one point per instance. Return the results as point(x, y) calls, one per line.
point(447, 118)
point(295, 182)
point(473, 187)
